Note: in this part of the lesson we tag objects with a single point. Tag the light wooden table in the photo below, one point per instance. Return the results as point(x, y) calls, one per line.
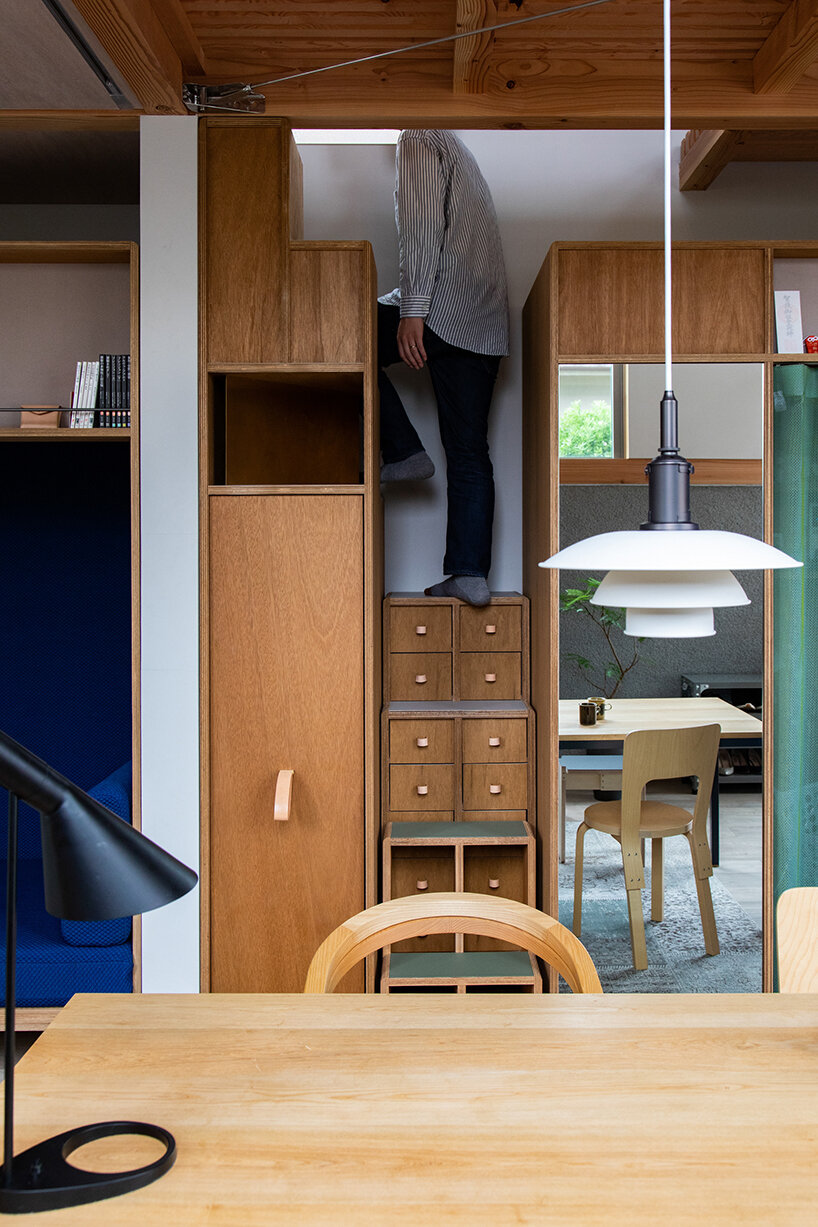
point(354, 1111)
point(628, 715)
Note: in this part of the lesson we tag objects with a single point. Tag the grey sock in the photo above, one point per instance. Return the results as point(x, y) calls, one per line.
point(472, 589)
point(413, 468)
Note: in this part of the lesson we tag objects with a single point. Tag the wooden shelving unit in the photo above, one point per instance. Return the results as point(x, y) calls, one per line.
point(290, 566)
point(486, 857)
point(603, 302)
point(65, 302)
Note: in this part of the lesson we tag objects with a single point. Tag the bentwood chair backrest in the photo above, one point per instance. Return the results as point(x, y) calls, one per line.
point(668, 754)
point(797, 929)
point(451, 912)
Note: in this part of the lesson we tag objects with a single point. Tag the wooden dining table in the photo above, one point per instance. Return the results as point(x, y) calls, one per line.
point(629, 715)
point(430, 1109)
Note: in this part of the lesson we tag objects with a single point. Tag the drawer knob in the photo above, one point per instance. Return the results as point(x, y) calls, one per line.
point(422, 884)
point(491, 629)
point(495, 741)
point(423, 789)
point(495, 788)
point(494, 883)
point(420, 678)
point(422, 742)
point(491, 677)
point(420, 630)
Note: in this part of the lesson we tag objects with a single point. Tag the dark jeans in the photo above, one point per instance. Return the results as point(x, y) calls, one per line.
point(463, 383)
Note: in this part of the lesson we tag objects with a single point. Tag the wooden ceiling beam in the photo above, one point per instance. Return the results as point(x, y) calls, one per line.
point(594, 94)
point(472, 56)
point(69, 121)
point(704, 156)
point(138, 44)
point(175, 21)
point(789, 51)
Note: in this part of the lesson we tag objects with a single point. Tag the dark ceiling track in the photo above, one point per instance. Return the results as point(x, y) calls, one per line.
point(92, 60)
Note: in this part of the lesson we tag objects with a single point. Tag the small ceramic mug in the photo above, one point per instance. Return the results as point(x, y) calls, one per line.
point(601, 706)
point(587, 712)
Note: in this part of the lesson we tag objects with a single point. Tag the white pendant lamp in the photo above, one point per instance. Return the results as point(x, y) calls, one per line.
point(669, 574)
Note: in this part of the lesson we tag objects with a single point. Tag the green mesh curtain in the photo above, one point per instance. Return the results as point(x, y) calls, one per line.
point(795, 653)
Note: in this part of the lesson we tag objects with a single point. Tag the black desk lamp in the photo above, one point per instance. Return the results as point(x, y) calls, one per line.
point(95, 867)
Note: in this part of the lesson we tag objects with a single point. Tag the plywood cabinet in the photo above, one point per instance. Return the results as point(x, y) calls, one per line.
point(291, 570)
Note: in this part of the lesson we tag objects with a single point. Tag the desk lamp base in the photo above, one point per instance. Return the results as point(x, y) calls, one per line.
point(42, 1179)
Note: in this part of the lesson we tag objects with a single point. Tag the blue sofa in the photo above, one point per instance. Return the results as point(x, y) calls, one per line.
point(57, 958)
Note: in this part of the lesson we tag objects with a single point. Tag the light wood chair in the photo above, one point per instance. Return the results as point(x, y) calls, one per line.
point(797, 929)
point(656, 754)
point(451, 912)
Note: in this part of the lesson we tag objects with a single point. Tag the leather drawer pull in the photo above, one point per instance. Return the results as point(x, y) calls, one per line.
point(495, 741)
point(423, 789)
point(420, 678)
point(495, 788)
point(491, 677)
point(422, 742)
point(422, 884)
point(491, 630)
point(494, 883)
point(420, 630)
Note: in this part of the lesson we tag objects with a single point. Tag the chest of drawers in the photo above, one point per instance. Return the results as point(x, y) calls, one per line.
point(436, 649)
point(458, 762)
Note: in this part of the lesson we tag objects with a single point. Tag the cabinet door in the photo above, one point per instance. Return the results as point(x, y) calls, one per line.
point(287, 692)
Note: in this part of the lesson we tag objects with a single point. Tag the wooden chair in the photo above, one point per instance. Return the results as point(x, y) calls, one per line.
point(797, 930)
point(656, 754)
point(451, 912)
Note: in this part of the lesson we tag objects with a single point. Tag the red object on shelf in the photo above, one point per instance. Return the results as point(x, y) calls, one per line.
point(811, 345)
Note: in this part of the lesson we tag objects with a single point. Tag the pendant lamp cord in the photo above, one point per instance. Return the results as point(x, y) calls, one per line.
point(668, 283)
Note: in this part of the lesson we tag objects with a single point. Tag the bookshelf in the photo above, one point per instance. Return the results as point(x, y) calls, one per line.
point(69, 524)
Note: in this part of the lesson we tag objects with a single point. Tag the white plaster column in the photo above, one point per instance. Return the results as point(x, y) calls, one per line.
point(170, 534)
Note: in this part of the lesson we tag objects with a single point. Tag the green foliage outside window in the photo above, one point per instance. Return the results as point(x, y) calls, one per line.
point(586, 431)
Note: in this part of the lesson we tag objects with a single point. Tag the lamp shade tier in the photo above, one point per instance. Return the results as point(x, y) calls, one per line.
point(669, 623)
point(670, 590)
point(697, 550)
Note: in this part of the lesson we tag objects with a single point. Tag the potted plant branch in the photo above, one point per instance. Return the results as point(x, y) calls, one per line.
point(610, 622)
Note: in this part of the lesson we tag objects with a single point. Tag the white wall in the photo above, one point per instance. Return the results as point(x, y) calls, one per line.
point(547, 186)
point(170, 534)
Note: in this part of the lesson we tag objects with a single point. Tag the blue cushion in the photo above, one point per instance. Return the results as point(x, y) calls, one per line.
point(114, 792)
point(49, 971)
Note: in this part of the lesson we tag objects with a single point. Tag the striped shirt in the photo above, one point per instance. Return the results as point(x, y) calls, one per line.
point(452, 272)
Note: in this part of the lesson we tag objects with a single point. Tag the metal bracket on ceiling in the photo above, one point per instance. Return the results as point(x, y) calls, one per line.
point(237, 97)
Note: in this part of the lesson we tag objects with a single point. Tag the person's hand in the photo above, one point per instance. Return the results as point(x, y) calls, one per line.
point(410, 341)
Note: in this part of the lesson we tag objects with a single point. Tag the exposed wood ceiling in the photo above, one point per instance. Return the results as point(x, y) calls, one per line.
point(745, 72)
point(737, 64)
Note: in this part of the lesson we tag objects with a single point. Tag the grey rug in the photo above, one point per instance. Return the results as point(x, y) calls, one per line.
point(677, 962)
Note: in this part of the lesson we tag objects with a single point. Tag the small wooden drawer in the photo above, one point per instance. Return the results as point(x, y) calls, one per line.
point(421, 741)
point(490, 675)
point(416, 787)
point(420, 628)
point(495, 741)
point(495, 786)
point(494, 871)
point(420, 872)
point(495, 628)
point(423, 676)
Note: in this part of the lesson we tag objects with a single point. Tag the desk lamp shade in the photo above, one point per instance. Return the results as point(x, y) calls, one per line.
point(95, 867)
